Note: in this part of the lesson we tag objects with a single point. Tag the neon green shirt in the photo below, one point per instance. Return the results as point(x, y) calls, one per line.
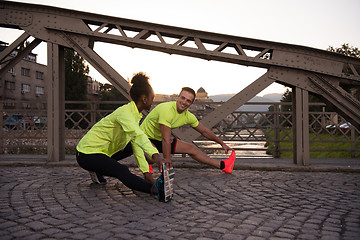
point(166, 114)
point(112, 133)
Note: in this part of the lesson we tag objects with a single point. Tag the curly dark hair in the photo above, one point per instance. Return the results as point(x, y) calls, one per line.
point(140, 86)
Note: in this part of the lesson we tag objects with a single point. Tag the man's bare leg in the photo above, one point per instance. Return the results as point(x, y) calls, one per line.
point(195, 153)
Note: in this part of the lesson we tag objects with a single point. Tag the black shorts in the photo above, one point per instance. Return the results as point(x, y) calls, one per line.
point(158, 144)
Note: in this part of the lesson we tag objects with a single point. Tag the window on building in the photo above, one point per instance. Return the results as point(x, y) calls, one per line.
point(9, 105)
point(12, 71)
point(40, 106)
point(26, 105)
point(25, 72)
point(39, 90)
point(96, 89)
point(30, 57)
point(39, 75)
point(10, 85)
point(25, 88)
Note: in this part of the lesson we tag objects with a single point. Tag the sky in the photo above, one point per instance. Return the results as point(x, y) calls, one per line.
point(312, 23)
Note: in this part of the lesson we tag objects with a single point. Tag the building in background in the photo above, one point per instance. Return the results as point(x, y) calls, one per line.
point(165, 98)
point(23, 86)
point(93, 89)
point(202, 95)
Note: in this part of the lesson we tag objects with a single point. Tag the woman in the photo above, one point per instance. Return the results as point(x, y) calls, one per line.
point(106, 142)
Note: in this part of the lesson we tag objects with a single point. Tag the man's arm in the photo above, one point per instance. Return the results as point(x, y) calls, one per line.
point(166, 142)
point(211, 136)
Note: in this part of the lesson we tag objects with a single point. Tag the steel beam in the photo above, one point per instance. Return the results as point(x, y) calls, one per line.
point(19, 41)
point(327, 87)
point(21, 54)
point(228, 107)
point(301, 153)
point(38, 20)
point(342, 100)
point(81, 45)
point(55, 83)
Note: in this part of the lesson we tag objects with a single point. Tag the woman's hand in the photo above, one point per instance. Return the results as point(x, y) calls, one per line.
point(160, 160)
point(148, 177)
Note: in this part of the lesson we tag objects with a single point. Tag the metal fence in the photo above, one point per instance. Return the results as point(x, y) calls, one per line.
point(266, 132)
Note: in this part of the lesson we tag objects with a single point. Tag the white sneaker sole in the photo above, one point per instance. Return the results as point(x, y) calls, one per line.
point(168, 176)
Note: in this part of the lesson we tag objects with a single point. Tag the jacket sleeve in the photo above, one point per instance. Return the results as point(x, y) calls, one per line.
point(139, 140)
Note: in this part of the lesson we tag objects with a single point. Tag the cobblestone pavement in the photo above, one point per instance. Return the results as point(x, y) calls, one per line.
point(61, 203)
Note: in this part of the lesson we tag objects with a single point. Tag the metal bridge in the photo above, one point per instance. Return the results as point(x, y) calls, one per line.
point(302, 68)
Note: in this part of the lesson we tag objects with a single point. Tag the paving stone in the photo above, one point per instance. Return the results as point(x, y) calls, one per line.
point(284, 235)
point(37, 226)
point(35, 236)
point(21, 234)
point(307, 236)
point(76, 230)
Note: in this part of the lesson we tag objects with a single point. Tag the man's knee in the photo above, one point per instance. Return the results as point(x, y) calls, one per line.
point(191, 148)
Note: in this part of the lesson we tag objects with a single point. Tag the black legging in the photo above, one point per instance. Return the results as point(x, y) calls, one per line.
point(108, 166)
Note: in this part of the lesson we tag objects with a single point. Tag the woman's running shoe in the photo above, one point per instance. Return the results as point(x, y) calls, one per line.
point(97, 178)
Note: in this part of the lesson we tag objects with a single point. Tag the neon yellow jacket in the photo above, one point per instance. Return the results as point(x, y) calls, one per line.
point(112, 133)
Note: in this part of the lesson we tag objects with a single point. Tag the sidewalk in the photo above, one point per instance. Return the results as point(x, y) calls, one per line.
point(40, 202)
point(241, 163)
point(58, 201)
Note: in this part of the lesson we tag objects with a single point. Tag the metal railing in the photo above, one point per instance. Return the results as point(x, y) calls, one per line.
point(266, 132)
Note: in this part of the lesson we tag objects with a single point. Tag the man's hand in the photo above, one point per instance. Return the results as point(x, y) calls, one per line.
point(226, 148)
point(148, 177)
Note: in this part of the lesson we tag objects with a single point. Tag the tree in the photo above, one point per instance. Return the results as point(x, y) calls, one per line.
point(109, 93)
point(346, 50)
point(76, 75)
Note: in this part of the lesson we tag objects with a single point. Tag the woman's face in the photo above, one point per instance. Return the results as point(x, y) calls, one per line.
point(148, 100)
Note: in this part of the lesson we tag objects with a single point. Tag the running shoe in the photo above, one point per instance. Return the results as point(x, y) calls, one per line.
point(168, 176)
point(229, 163)
point(97, 178)
point(164, 184)
point(159, 185)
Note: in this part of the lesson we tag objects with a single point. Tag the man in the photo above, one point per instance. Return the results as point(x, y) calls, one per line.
point(170, 115)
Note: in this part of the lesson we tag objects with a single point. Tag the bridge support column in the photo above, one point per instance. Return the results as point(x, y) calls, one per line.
point(56, 102)
point(301, 154)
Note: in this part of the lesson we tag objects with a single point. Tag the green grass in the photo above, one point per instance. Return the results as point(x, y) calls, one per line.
point(336, 147)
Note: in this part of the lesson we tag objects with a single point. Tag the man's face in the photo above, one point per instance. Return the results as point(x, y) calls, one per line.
point(184, 101)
